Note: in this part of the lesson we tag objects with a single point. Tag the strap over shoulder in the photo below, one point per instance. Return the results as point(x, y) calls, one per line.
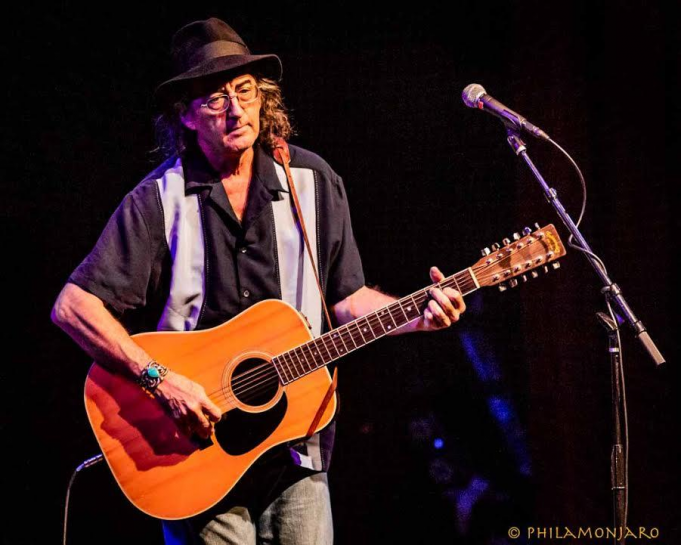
point(283, 157)
point(281, 152)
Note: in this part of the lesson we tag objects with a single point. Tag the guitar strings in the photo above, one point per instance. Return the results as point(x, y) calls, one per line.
point(259, 377)
point(252, 380)
point(264, 376)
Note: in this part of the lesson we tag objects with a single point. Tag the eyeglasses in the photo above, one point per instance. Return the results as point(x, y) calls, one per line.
point(246, 93)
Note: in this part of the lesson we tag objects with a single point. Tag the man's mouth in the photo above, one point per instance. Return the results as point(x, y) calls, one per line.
point(236, 129)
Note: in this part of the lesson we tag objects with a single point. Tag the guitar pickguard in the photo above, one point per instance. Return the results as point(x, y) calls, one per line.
point(239, 432)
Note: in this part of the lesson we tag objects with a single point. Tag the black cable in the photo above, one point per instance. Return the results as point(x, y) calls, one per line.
point(571, 241)
point(87, 463)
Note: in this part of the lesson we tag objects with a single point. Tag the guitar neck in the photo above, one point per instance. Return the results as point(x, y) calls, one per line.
point(335, 344)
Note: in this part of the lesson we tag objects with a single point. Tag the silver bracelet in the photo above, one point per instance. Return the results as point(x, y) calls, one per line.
point(152, 375)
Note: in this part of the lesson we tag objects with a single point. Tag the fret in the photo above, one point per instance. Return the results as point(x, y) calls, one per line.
point(322, 339)
point(307, 358)
point(335, 335)
point(356, 322)
point(374, 325)
point(385, 323)
point(460, 284)
point(367, 327)
point(458, 288)
point(465, 280)
point(287, 369)
point(335, 354)
point(317, 354)
point(291, 365)
point(275, 364)
point(347, 330)
point(309, 354)
point(380, 321)
point(389, 310)
point(299, 365)
point(406, 318)
point(413, 308)
point(425, 296)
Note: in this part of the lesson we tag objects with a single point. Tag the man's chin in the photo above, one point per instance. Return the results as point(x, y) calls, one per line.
point(238, 144)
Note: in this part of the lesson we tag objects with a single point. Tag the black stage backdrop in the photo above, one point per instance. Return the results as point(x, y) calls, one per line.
point(501, 421)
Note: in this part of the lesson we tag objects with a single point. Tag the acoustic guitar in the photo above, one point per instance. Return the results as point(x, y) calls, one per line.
point(267, 374)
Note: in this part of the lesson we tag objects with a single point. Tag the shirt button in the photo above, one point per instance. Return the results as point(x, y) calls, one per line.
point(242, 250)
point(247, 293)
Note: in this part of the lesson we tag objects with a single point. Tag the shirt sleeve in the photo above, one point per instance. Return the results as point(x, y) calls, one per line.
point(118, 269)
point(346, 275)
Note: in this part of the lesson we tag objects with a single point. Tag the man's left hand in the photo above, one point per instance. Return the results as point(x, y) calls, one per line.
point(444, 308)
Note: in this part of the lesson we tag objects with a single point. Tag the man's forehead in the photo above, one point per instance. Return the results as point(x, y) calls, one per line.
point(242, 78)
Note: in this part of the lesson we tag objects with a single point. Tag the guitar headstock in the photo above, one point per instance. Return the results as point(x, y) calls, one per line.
point(518, 257)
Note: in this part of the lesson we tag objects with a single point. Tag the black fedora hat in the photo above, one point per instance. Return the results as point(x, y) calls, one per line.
point(205, 48)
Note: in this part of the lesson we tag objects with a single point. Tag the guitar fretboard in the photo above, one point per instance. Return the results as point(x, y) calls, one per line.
point(335, 344)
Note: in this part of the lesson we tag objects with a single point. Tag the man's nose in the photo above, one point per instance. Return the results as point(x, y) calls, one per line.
point(235, 109)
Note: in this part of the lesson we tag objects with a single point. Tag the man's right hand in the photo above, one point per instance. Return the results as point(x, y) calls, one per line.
point(83, 316)
point(188, 404)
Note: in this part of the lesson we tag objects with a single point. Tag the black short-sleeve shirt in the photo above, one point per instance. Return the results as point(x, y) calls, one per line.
point(129, 268)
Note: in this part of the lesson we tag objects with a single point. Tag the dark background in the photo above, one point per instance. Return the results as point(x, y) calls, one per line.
point(519, 391)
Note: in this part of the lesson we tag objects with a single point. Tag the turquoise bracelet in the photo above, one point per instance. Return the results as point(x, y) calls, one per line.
point(152, 375)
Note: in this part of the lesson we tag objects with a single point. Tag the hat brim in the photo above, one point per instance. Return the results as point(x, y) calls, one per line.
point(266, 65)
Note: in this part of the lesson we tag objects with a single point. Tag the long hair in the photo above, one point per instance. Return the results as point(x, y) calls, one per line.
point(172, 137)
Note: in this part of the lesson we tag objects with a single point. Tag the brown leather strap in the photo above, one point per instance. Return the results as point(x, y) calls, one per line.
point(322, 407)
point(283, 157)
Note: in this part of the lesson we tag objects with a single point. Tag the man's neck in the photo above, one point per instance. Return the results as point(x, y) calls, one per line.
point(231, 166)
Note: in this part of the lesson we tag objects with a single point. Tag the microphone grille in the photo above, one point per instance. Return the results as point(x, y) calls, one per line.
point(472, 93)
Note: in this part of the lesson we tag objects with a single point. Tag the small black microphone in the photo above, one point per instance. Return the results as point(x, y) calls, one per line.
point(475, 96)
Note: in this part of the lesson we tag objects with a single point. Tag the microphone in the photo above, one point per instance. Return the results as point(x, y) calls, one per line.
point(475, 96)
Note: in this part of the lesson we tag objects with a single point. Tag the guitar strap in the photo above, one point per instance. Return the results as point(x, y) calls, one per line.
point(322, 407)
point(283, 157)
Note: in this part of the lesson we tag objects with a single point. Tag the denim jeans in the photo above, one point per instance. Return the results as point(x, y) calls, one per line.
point(275, 504)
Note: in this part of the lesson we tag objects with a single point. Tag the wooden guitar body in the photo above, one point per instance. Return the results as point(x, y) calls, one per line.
point(170, 476)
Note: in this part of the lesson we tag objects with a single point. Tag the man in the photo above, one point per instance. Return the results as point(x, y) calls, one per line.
point(206, 235)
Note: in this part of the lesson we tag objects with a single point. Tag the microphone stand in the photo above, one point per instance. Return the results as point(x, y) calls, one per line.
point(613, 294)
point(610, 289)
point(618, 454)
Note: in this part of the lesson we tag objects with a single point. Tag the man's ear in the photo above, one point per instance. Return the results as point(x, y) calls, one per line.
point(187, 118)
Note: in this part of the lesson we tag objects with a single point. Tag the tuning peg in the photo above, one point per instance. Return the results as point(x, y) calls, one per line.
point(527, 231)
point(506, 242)
point(534, 274)
point(485, 252)
point(546, 268)
point(502, 287)
point(516, 236)
point(536, 226)
point(524, 277)
point(555, 265)
point(495, 247)
point(513, 282)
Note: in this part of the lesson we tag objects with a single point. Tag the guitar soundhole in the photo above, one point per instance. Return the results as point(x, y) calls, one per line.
point(254, 382)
